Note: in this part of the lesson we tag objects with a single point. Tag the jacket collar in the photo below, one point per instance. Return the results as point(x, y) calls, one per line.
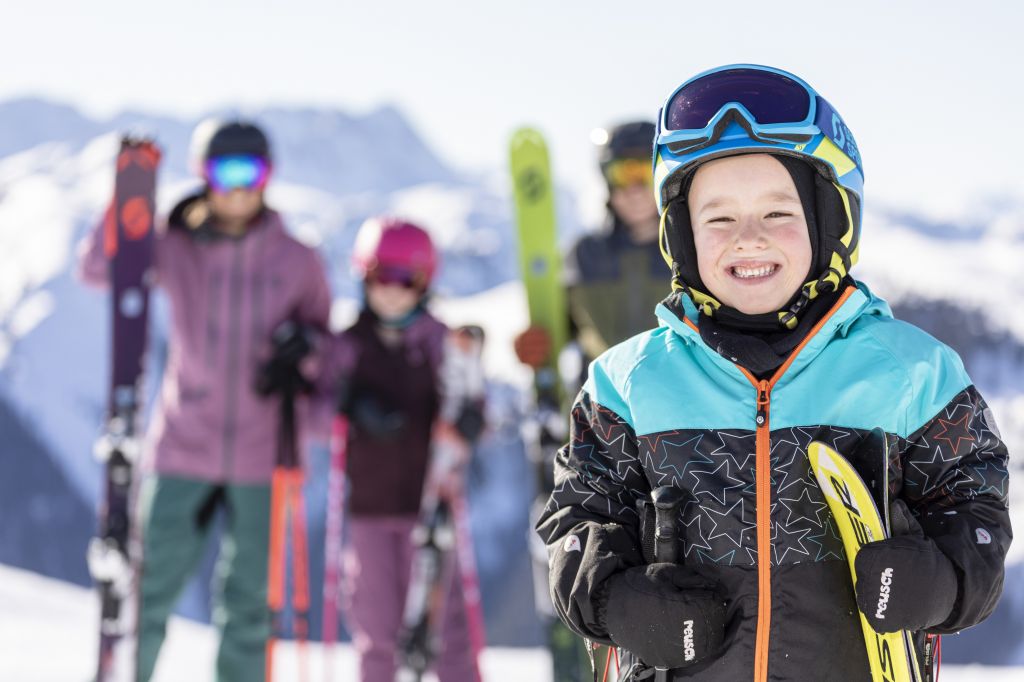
point(267, 221)
point(859, 303)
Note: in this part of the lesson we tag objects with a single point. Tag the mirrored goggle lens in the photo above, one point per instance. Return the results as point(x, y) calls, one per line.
point(769, 97)
point(226, 173)
point(629, 172)
point(395, 277)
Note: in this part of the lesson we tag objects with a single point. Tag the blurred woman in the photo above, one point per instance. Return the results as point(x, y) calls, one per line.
point(232, 275)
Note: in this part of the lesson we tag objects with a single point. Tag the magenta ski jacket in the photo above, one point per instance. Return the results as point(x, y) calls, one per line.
point(227, 295)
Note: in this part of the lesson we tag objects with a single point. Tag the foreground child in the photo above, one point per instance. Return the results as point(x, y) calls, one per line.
point(768, 344)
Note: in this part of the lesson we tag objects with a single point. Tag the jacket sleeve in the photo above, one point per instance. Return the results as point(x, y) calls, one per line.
point(315, 306)
point(955, 480)
point(590, 523)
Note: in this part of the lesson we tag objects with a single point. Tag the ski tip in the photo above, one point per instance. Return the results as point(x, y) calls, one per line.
point(137, 138)
point(824, 461)
point(526, 135)
point(139, 149)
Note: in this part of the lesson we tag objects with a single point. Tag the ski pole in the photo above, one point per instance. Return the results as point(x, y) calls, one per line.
point(332, 541)
point(286, 505)
point(466, 562)
point(666, 501)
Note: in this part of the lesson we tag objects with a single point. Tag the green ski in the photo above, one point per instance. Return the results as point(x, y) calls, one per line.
point(539, 257)
point(540, 262)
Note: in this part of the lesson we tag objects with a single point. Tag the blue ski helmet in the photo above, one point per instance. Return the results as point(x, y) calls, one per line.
point(745, 109)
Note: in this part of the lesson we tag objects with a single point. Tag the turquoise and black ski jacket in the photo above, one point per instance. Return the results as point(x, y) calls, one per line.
point(663, 408)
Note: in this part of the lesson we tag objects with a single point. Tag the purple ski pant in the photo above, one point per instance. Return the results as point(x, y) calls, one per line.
point(376, 576)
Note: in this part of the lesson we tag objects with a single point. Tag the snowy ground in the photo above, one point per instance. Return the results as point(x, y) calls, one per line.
point(46, 635)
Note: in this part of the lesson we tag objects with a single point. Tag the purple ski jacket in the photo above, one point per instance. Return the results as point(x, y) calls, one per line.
point(387, 474)
point(227, 295)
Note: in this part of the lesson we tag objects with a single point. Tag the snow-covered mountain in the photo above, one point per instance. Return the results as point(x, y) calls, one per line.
point(956, 278)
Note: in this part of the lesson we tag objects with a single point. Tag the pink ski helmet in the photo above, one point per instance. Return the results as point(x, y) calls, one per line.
point(393, 247)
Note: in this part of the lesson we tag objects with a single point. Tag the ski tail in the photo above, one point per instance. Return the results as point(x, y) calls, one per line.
point(891, 655)
point(128, 238)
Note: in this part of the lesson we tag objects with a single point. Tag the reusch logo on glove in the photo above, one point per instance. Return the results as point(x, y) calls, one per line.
point(572, 544)
point(983, 536)
point(688, 649)
point(883, 599)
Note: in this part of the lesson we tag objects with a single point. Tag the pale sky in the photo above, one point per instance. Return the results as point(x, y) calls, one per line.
point(918, 82)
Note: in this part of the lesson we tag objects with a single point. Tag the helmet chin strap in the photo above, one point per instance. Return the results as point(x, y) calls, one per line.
point(786, 318)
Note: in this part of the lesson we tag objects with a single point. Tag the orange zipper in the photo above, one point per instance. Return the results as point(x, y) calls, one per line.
point(764, 536)
point(764, 492)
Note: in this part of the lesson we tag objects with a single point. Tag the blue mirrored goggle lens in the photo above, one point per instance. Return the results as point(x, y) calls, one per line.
point(233, 172)
point(769, 97)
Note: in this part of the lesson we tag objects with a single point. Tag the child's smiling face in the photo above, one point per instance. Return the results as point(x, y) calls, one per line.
point(750, 232)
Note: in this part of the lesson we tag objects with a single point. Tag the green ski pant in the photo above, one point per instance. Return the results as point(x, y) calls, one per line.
point(175, 516)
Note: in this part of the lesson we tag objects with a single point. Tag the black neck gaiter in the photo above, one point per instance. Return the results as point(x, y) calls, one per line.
point(758, 347)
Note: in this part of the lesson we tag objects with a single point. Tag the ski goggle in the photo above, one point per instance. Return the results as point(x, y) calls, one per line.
point(769, 104)
point(400, 277)
point(629, 172)
point(237, 171)
point(747, 108)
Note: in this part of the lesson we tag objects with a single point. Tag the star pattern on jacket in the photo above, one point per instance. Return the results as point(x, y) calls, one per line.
point(953, 432)
point(663, 461)
point(611, 469)
point(956, 456)
point(802, 505)
point(720, 517)
point(727, 518)
point(785, 541)
point(715, 483)
point(830, 545)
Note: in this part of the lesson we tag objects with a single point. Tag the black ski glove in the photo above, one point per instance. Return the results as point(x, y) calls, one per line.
point(471, 422)
point(281, 374)
point(368, 412)
point(665, 614)
point(373, 417)
point(905, 582)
